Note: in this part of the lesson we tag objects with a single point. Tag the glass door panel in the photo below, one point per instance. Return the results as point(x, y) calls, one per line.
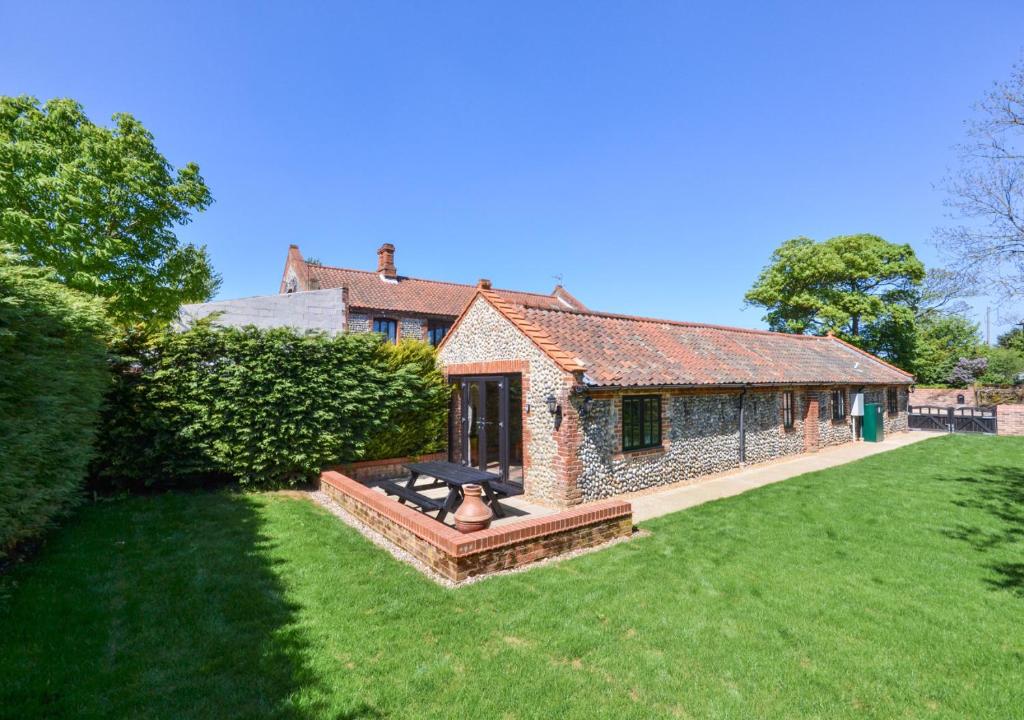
point(485, 424)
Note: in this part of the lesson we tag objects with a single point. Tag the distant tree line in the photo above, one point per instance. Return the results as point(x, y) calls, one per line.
point(878, 296)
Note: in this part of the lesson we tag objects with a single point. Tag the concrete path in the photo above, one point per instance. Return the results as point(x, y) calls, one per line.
point(655, 504)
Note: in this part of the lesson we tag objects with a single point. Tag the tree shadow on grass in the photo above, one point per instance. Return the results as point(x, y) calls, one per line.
point(999, 491)
point(165, 606)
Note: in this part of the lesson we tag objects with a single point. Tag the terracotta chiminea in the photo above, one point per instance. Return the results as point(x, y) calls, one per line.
point(472, 514)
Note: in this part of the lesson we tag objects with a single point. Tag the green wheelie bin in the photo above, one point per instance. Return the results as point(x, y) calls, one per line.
point(874, 422)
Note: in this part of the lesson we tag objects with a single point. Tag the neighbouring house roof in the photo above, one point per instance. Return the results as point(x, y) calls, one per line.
point(413, 295)
point(313, 310)
point(626, 351)
point(387, 291)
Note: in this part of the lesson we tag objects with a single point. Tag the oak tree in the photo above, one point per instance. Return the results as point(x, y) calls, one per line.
point(859, 287)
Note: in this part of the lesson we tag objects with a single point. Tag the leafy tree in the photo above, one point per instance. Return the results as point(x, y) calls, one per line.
point(1002, 365)
point(99, 206)
point(1012, 340)
point(987, 193)
point(940, 341)
point(859, 287)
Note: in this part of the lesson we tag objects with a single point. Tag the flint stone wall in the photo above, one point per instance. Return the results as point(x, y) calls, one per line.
point(893, 422)
point(408, 327)
point(700, 434)
point(833, 432)
point(359, 323)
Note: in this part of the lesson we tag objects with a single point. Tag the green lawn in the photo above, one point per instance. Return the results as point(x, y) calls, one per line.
point(892, 587)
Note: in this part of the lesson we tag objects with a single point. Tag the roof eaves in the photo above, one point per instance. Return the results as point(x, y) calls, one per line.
point(873, 357)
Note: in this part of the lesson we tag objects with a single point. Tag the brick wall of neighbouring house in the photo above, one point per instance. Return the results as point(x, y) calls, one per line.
point(409, 326)
point(359, 323)
point(941, 396)
point(458, 556)
point(1010, 420)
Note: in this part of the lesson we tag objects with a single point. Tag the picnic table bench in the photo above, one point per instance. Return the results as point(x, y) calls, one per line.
point(454, 477)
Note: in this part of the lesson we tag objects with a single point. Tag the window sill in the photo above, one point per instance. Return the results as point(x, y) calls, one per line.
point(640, 453)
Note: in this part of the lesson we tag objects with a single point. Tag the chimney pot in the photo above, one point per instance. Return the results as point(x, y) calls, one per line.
point(386, 261)
point(484, 283)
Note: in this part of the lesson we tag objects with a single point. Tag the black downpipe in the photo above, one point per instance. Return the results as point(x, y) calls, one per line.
point(743, 426)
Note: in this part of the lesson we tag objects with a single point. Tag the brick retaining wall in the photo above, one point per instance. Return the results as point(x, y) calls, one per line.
point(1010, 420)
point(941, 396)
point(387, 469)
point(458, 556)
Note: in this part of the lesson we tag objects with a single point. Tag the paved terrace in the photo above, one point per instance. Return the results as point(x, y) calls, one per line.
point(516, 508)
point(654, 503)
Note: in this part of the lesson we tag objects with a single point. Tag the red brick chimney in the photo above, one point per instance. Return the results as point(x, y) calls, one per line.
point(386, 261)
point(484, 284)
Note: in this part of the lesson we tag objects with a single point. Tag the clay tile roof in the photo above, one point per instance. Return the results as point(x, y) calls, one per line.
point(516, 315)
point(622, 351)
point(428, 297)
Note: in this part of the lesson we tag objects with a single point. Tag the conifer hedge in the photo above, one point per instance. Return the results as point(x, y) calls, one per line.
point(264, 407)
point(53, 376)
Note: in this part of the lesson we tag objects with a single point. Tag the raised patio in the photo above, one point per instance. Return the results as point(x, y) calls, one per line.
point(527, 532)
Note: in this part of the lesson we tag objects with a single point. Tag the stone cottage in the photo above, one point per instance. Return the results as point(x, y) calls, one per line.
point(399, 306)
point(580, 405)
point(313, 296)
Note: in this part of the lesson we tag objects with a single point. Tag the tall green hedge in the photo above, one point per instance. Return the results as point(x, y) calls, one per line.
point(52, 378)
point(264, 407)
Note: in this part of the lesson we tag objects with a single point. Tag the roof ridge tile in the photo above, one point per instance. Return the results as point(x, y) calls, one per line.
point(432, 282)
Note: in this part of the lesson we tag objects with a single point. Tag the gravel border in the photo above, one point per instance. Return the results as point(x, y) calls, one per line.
point(324, 500)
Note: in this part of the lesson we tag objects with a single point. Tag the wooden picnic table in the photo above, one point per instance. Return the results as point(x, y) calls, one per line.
point(453, 476)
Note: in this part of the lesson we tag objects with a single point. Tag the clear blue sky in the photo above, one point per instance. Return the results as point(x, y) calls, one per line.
point(652, 153)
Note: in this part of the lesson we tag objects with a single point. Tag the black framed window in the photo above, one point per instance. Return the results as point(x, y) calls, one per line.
point(892, 399)
point(436, 330)
point(386, 327)
point(787, 409)
point(838, 405)
point(641, 422)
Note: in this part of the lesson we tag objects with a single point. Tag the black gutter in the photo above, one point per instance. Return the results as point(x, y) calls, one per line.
point(732, 386)
point(743, 427)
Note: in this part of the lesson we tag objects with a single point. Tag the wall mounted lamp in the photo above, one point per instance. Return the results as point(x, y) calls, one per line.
point(552, 404)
